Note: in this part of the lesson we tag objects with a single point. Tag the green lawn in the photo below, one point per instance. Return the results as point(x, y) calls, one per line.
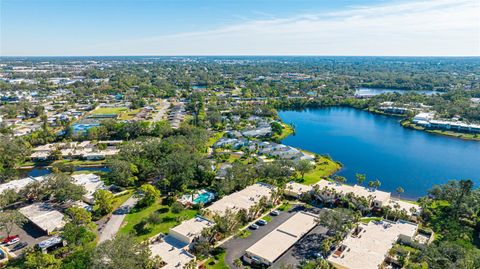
point(324, 168)
point(367, 220)
point(216, 262)
point(267, 218)
point(288, 130)
point(109, 110)
point(285, 206)
point(244, 233)
point(169, 220)
point(214, 138)
point(128, 115)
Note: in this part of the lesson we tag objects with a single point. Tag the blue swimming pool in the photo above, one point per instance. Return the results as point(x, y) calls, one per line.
point(204, 198)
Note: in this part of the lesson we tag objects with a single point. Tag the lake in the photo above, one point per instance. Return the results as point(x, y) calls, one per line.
point(376, 91)
point(381, 148)
point(42, 171)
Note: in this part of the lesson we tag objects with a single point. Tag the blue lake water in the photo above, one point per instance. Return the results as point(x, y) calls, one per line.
point(375, 91)
point(381, 148)
point(42, 171)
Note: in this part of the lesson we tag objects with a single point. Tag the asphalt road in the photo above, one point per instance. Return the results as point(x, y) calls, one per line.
point(236, 247)
point(111, 227)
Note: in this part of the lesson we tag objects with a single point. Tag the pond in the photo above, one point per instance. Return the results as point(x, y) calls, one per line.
point(380, 147)
point(42, 171)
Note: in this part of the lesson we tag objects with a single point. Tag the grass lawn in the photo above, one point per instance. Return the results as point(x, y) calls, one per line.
point(324, 168)
point(128, 115)
point(80, 162)
point(109, 110)
point(288, 130)
point(244, 233)
point(214, 138)
point(216, 262)
point(367, 220)
point(285, 206)
point(169, 220)
point(267, 218)
point(120, 199)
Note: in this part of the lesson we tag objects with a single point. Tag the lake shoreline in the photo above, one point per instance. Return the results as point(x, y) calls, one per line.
point(311, 138)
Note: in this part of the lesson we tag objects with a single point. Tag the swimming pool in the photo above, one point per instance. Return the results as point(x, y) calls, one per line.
point(204, 198)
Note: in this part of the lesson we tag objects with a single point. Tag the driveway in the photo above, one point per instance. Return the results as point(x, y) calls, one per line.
point(236, 247)
point(110, 228)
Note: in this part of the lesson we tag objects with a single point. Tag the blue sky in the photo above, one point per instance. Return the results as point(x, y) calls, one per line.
point(240, 27)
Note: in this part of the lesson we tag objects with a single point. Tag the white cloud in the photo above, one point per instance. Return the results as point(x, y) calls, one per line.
point(428, 27)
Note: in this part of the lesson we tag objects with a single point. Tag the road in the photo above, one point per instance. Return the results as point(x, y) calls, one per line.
point(236, 247)
point(164, 105)
point(111, 227)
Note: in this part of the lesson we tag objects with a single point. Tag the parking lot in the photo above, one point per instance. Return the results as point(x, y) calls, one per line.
point(236, 247)
point(28, 233)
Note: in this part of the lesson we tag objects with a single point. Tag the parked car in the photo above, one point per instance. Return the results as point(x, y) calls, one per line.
point(261, 222)
point(19, 246)
point(275, 213)
point(11, 240)
point(253, 226)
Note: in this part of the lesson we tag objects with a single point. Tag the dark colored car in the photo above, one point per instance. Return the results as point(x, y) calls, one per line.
point(19, 246)
point(253, 226)
point(261, 222)
point(275, 213)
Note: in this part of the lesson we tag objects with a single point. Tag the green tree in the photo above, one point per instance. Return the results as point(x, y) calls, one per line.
point(10, 219)
point(399, 191)
point(148, 194)
point(61, 187)
point(360, 178)
point(122, 252)
point(303, 167)
point(38, 260)
point(103, 202)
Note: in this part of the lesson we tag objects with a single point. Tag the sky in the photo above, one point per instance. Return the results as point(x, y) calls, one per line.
point(240, 27)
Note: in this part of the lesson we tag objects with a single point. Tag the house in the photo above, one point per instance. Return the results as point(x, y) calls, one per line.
point(91, 183)
point(44, 216)
point(243, 199)
point(172, 252)
point(190, 230)
point(367, 245)
point(20, 184)
point(268, 249)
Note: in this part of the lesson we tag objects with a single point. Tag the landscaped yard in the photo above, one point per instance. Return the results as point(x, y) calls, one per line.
point(168, 220)
point(128, 115)
point(288, 130)
point(216, 262)
point(109, 110)
point(324, 168)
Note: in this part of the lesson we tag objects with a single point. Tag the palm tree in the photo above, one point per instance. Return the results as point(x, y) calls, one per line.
point(360, 178)
point(400, 190)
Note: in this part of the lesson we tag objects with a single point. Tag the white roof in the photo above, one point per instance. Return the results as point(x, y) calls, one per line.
point(44, 216)
point(274, 244)
point(243, 199)
point(297, 188)
point(90, 182)
point(357, 190)
point(369, 250)
point(174, 256)
point(19, 184)
point(192, 228)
